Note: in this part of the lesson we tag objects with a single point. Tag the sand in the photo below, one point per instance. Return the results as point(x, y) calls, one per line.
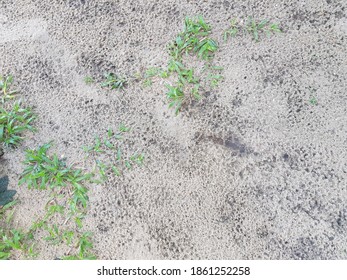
point(252, 171)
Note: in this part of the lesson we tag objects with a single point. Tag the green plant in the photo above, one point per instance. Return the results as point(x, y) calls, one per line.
point(176, 97)
point(252, 27)
point(255, 28)
point(85, 247)
point(113, 158)
point(89, 80)
point(193, 40)
point(152, 72)
point(114, 81)
point(313, 101)
point(232, 31)
point(67, 185)
point(13, 123)
point(10, 238)
point(5, 83)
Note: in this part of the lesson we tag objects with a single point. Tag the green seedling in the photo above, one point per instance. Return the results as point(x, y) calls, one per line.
point(119, 154)
point(5, 83)
point(115, 170)
point(215, 79)
point(13, 123)
point(102, 169)
point(138, 159)
point(114, 81)
point(43, 171)
point(232, 31)
point(187, 76)
point(255, 28)
point(176, 97)
point(54, 235)
point(89, 80)
point(123, 128)
point(149, 74)
point(193, 40)
point(96, 147)
point(84, 246)
point(313, 101)
point(68, 237)
point(195, 92)
point(53, 209)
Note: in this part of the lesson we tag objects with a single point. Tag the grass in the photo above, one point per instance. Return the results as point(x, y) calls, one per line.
point(5, 83)
point(151, 73)
point(13, 123)
point(109, 154)
point(89, 80)
point(194, 40)
point(114, 81)
point(12, 239)
point(253, 27)
point(68, 192)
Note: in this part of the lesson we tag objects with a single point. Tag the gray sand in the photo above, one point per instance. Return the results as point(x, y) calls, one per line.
point(253, 171)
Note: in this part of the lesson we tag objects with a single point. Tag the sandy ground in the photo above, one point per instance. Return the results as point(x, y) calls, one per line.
point(253, 171)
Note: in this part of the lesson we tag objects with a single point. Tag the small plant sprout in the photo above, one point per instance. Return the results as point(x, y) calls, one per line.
point(114, 81)
point(255, 28)
point(89, 80)
point(193, 40)
point(5, 83)
point(13, 123)
point(232, 31)
point(313, 101)
point(176, 97)
point(149, 74)
point(123, 128)
point(252, 27)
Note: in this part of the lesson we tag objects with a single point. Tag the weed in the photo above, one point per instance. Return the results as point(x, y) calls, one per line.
point(176, 97)
point(10, 238)
point(13, 123)
point(252, 27)
point(232, 31)
point(89, 80)
point(43, 172)
point(313, 101)
point(149, 74)
point(114, 81)
point(5, 83)
point(113, 157)
point(255, 28)
point(84, 246)
point(193, 40)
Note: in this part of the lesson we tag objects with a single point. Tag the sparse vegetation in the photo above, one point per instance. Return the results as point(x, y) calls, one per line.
point(68, 191)
point(114, 81)
point(5, 83)
point(253, 27)
point(194, 40)
point(109, 155)
point(13, 123)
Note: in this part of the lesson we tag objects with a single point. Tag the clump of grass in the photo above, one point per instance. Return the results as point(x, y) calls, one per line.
point(193, 40)
point(5, 83)
point(114, 81)
point(13, 123)
point(51, 172)
point(110, 156)
point(253, 27)
point(89, 80)
point(313, 100)
point(13, 239)
point(68, 192)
